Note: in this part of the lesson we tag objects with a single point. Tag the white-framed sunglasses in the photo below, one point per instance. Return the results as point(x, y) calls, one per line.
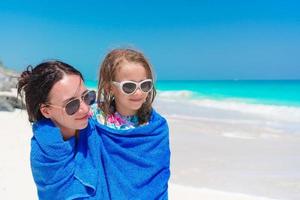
point(129, 87)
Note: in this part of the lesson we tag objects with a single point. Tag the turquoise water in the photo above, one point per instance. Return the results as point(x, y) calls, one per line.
point(278, 92)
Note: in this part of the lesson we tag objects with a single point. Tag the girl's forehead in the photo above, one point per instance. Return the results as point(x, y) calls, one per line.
point(130, 70)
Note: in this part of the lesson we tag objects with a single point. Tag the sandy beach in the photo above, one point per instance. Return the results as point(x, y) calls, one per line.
point(216, 154)
point(224, 74)
point(236, 154)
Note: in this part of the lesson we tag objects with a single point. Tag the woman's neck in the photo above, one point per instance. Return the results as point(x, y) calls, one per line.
point(67, 133)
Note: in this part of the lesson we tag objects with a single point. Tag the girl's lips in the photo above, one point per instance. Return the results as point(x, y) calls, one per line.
point(136, 99)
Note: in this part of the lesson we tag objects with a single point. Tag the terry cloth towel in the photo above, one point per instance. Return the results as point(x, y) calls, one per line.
point(69, 169)
point(136, 161)
point(102, 163)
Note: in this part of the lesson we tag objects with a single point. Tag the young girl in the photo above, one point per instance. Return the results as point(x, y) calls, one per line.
point(125, 90)
point(135, 149)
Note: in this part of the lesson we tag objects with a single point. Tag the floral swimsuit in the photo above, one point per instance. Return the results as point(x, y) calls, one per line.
point(115, 120)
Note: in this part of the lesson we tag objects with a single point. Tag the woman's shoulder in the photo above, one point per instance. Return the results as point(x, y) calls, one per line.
point(45, 130)
point(48, 139)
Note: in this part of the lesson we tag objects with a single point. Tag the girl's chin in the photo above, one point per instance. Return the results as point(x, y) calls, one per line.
point(136, 104)
point(136, 108)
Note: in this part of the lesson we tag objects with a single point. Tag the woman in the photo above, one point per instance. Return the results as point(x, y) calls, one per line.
point(65, 156)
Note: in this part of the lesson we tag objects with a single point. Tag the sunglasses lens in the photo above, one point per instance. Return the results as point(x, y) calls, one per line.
point(146, 86)
point(89, 98)
point(72, 107)
point(129, 88)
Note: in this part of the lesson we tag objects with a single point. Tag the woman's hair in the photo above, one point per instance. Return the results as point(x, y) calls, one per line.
point(108, 69)
point(36, 83)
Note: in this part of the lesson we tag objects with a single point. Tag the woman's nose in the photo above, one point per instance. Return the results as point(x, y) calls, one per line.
point(84, 108)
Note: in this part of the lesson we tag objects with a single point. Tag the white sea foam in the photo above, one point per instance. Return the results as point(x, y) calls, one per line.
point(275, 112)
point(185, 94)
point(267, 111)
point(237, 135)
point(232, 118)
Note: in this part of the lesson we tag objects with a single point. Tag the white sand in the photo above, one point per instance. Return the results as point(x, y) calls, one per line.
point(193, 193)
point(235, 151)
point(16, 181)
point(201, 162)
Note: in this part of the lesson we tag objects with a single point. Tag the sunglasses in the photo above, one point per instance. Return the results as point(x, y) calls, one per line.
point(73, 105)
point(129, 87)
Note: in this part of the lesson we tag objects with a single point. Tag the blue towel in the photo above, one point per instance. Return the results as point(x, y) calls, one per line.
point(66, 169)
point(102, 163)
point(136, 161)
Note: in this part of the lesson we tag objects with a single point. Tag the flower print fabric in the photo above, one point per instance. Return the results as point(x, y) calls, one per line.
point(115, 120)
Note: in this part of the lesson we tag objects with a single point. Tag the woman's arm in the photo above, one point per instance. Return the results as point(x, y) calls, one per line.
point(59, 167)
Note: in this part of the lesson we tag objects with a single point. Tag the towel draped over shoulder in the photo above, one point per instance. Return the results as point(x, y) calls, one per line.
point(102, 163)
point(136, 161)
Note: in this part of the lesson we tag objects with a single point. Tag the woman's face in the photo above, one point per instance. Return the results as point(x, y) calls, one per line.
point(68, 88)
point(129, 104)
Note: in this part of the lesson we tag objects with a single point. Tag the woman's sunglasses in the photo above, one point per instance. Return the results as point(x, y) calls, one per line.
point(73, 105)
point(129, 87)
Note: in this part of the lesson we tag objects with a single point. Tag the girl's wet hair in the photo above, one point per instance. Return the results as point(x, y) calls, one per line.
point(35, 84)
point(108, 69)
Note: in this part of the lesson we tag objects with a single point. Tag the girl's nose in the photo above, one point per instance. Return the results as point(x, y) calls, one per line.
point(138, 92)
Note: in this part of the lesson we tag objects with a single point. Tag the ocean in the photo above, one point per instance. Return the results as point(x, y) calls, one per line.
point(286, 93)
point(278, 92)
point(275, 102)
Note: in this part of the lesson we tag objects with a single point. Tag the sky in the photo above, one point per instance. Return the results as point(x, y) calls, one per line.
point(184, 40)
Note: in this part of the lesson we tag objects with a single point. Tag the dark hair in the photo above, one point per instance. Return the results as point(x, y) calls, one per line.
point(36, 83)
point(109, 66)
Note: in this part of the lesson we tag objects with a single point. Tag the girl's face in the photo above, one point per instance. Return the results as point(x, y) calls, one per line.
point(128, 105)
point(68, 88)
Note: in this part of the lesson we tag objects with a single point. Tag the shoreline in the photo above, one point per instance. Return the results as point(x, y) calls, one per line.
point(233, 151)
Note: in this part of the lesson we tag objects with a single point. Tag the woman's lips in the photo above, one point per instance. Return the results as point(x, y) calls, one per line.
point(83, 118)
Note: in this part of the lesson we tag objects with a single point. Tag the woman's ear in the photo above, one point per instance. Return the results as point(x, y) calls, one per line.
point(45, 110)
